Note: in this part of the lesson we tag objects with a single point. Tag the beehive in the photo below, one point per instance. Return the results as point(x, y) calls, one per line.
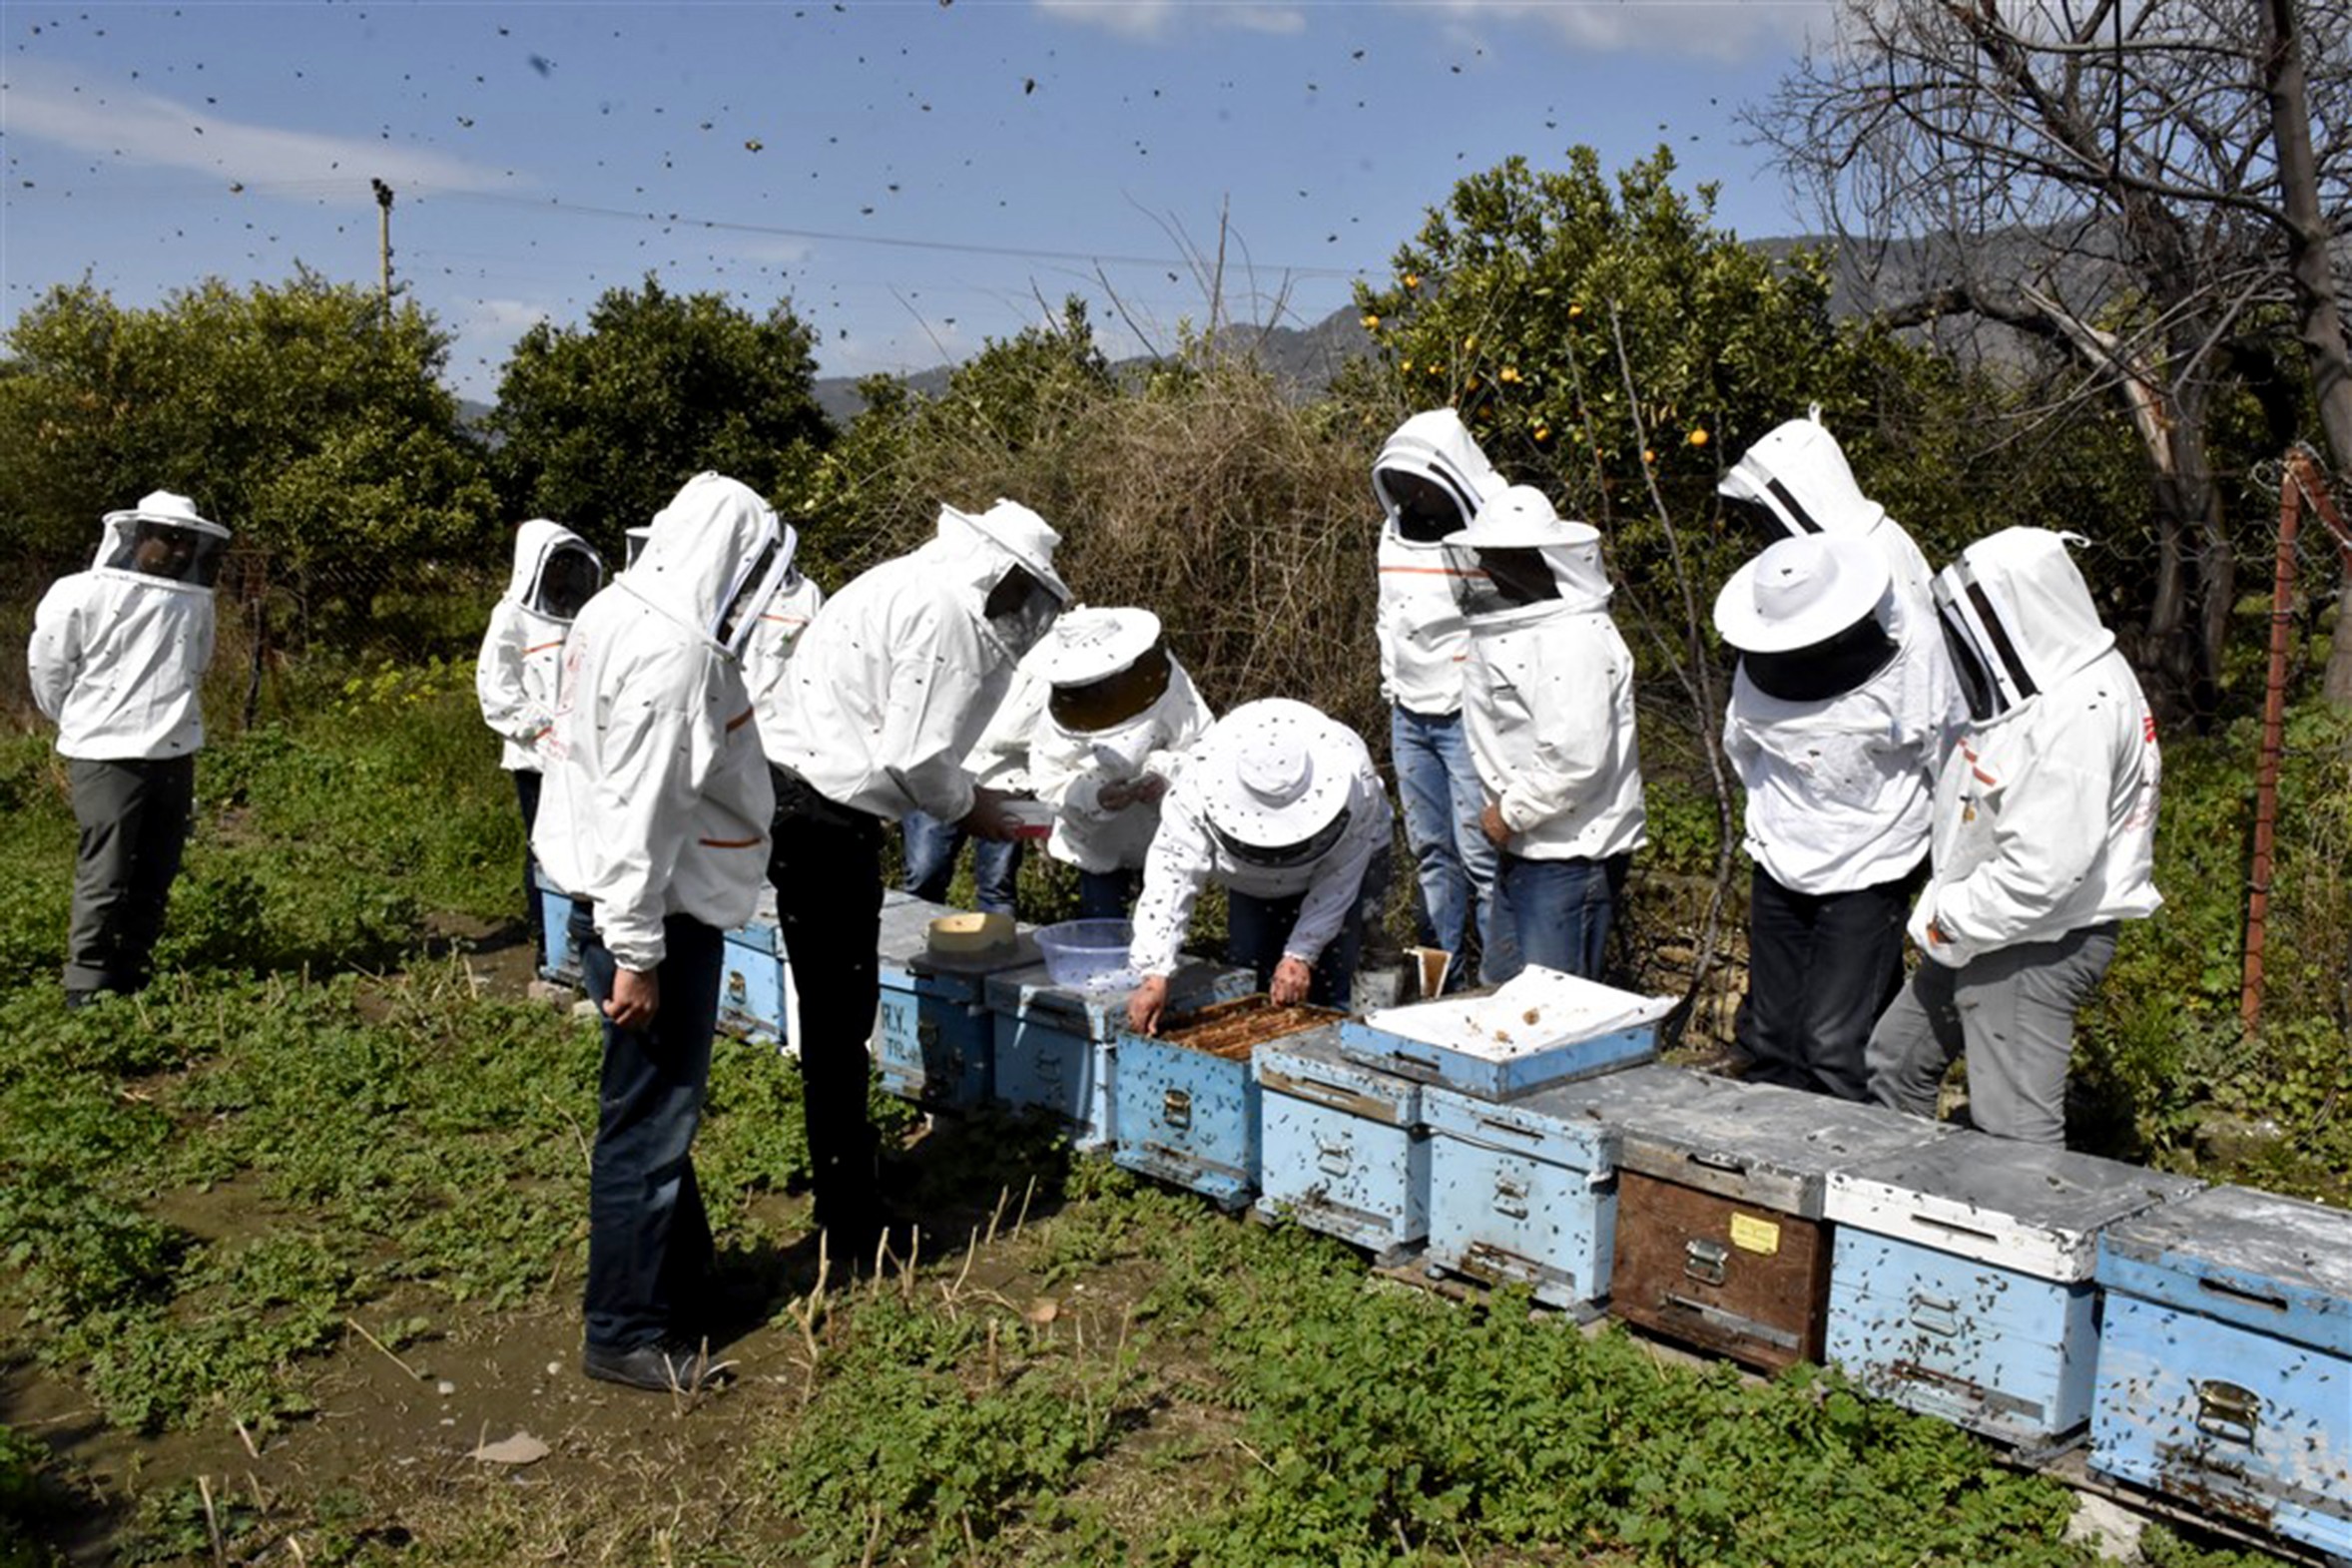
point(1188, 1103)
point(1342, 1149)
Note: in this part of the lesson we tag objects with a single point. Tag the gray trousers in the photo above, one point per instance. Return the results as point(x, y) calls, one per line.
point(134, 816)
point(2013, 1011)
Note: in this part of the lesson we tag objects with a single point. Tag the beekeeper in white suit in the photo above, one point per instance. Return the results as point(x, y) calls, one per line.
point(1430, 478)
point(1280, 805)
point(116, 657)
point(1842, 709)
point(887, 691)
point(2044, 839)
point(1119, 716)
point(514, 676)
point(1796, 481)
point(1547, 695)
point(653, 817)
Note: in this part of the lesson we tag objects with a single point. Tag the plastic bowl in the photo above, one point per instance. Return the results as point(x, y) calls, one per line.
point(1088, 955)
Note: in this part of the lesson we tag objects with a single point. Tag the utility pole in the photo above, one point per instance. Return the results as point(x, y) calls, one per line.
point(383, 243)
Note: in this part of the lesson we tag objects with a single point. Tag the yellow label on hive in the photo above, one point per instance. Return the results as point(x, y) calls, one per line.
point(1752, 1235)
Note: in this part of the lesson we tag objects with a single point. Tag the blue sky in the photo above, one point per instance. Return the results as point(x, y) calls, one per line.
point(915, 176)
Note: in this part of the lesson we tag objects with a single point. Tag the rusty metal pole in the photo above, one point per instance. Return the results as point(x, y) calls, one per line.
point(2274, 707)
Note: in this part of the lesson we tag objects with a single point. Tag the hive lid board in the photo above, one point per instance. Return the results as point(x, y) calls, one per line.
point(1312, 1067)
point(1765, 1144)
point(2029, 1208)
point(1584, 1119)
point(1536, 1011)
point(2278, 1265)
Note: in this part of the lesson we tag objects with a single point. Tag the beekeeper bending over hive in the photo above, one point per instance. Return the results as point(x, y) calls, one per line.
point(514, 678)
point(887, 692)
point(1279, 805)
point(116, 657)
point(654, 818)
point(1121, 713)
point(2045, 829)
point(1547, 695)
point(1841, 711)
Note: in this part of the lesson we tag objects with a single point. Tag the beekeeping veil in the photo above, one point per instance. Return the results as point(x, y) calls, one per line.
point(1278, 777)
point(555, 571)
point(716, 556)
point(1431, 477)
point(1809, 615)
point(2018, 618)
point(1529, 556)
point(162, 540)
point(1005, 558)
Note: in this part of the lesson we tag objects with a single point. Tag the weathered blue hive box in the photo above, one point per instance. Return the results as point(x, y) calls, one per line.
point(751, 976)
point(1342, 1149)
point(1495, 1047)
point(1188, 1101)
point(1057, 1046)
point(2225, 1362)
point(1521, 1190)
point(1720, 1237)
point(934, 1043)
point(558, 960)
point(1962, 1285)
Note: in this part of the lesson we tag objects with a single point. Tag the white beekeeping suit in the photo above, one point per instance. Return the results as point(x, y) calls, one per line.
point(893, 682)
point(1275, 799)
point(787, 614)
point(554, 573)
point(1547, 691)
point(2045, 814)
point(1423, 637)
point(117, 652)
point(1796, 481)
point(1121, 710)
point(657, 799)
point(1838, 762)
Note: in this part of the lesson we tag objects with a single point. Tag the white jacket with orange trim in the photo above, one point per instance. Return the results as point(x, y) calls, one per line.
point(515, 674)
point(787, 614)
point(1423, 635)
point(657, 799)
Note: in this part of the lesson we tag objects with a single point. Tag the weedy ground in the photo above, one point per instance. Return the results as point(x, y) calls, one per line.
point(292, 1244)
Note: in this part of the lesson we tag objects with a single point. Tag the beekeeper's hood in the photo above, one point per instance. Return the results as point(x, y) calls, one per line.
point(1796, 481)
point(633, 540)
point(1106, 667)
point(716, 556)
point(1810, 616)
point(2018, 618)
point(1531, 558)
point(555, 570)
point(162, 541)
point(1003, 560)
point(1277, 776)
point(1436, 448)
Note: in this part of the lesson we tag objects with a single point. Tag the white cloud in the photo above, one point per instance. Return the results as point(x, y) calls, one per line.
point(146, 127)
point(1148, 21)
point(1726, 30)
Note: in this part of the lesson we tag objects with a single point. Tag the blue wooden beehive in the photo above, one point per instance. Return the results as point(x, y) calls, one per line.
point(1341, 1149)
point(2225, 1360)
point(1962, 1279)
point(1188, 1110)
point(1057, 1046)
point(934, 1042)
point(1510, 1042)
point(1521, 1190)
point(558, 959)
point(1720, 1238)
point(751, 976)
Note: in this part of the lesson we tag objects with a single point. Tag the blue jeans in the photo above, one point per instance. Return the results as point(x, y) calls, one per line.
point(1256, 929)
point(1107, 895)
point(649, 1240)
point(1438, 786)
point(1562, 910)
point(931, 862)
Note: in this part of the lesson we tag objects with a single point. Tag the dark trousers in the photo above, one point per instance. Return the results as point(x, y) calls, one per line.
point(1256, 929)
point(134, 817)
point(1821, 968)
point(1107, 895)
point(649, 1240)
point(526, 796)
point(827, 867)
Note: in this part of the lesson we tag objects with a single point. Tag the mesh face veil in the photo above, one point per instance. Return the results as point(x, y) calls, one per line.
point(1283, 856)
point(1115, 698)
point(569, 579)
point(1021, 609)
point(1992, 674)
point(174, 553)
point(753, 586)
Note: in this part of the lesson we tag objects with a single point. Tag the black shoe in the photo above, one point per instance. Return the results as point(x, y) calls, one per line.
point(75, 1001)
point(665, 1368)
